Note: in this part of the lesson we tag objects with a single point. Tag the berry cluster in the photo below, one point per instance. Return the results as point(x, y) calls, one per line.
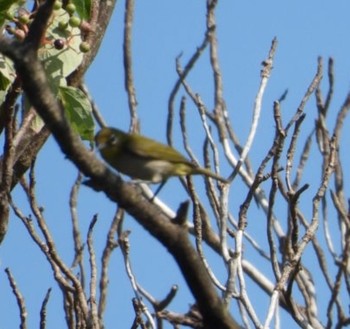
point(66, 18)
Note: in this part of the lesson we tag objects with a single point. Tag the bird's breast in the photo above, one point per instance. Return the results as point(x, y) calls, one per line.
point(151, 170)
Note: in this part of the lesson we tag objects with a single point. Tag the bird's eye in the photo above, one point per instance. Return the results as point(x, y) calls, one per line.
point(113, 140)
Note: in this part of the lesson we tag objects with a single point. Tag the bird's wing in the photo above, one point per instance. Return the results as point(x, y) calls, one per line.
point(154, 150)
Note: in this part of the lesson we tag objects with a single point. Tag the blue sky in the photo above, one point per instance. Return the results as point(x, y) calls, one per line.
point(163, 30)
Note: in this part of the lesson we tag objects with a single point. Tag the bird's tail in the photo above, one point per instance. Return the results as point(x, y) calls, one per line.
point(209, 173)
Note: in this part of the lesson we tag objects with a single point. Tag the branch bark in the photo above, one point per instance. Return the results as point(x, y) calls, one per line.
point(172, 235)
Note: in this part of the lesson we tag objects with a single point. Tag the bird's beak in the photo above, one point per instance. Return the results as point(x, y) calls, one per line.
point(99, 146)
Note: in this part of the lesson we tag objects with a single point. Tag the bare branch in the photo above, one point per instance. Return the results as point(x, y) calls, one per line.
point(188, 67)
point(129, 81)
point(19, 299)
point(43, 309)
point(93, 276)
point(142, 309)
point(78, 244)
point(265, 74)
point(111, 244)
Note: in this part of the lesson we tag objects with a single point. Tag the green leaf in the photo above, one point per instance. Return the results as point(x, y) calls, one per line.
point(5, 4)
point(4, 82)
point(2, 96)
point(83, 8)
point(7, 7)
point(78, 110)
point(37, 123)
point(7, 72)
point(59, 63)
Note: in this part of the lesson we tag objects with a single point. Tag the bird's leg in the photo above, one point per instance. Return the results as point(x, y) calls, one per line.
point(158, 189)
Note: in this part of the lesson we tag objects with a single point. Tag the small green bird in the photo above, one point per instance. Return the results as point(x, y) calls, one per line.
point(145, 159)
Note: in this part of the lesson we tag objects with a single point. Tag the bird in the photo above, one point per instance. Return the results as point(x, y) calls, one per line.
point(145, 159)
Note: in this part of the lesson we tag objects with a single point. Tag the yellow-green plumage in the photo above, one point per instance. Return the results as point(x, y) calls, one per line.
point(143, 158)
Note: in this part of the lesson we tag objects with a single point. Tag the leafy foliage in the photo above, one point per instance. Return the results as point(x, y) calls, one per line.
point(78, 110)
point(60, 54)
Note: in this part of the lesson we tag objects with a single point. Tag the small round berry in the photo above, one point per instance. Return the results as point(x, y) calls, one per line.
point(85, 26)
point(84, 47)
point(24, 19)
point(74, 21)
point(59, 44)
point(62, 25)
point(70, 8)
point(57, 5)
point(9, 16)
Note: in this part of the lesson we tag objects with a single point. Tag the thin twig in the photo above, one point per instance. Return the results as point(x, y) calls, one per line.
point(291, 152)
point(93, 276)
point(244, 298)
point(331, 86)
point(302, 162)
point(188, 67)
point(199, 222)
point(111, 244)
point(78, 244)
point(43, 309)
point(310, 90)
point(125, 247)
point(19, 298)
point(95, 110)
point(265, 75)
point(184, 132)
point(127, 53)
